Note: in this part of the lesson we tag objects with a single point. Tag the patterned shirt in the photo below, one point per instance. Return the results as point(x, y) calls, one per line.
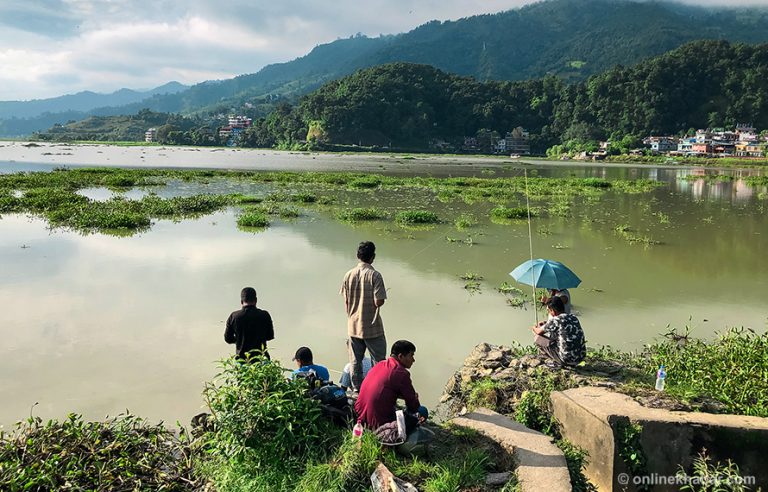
point(565, 333)
point(362, 285)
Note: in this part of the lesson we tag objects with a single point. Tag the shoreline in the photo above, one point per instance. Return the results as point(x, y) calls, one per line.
point(183, 157)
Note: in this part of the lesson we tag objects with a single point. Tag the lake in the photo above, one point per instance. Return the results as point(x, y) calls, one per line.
point(97, 324)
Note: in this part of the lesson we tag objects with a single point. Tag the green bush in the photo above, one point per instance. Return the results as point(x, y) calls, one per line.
point(264, 421)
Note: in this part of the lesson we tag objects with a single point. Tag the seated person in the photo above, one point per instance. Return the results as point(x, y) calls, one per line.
point(387, 382)
point(346, 378)
point(563, 294)
point(560, 337)
point(305, 364)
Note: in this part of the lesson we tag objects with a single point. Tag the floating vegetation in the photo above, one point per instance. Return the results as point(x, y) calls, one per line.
point(473, 287)
point(716, 178)
point(544, 231)
point(663, 218)
point(471, 276)
point(361, 214)
point(508, 289)
point(247, 199)
point(366, 182)
point(506, 213)
point(631, 237)
point(413, 217)
point(42, 192)
point(465, 221)
point(516, 301)
point(560, 246)
point(253, 218)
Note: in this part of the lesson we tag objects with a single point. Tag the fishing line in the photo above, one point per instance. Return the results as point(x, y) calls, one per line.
point(530, 248)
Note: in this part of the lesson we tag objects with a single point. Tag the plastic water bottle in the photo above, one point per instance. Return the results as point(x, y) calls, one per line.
point(357, 430)
point(661, 375)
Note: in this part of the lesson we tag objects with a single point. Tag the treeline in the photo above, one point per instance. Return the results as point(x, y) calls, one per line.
point(172, 129)
point(704, 83)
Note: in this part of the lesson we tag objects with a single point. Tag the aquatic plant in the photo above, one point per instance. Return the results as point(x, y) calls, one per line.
point(510, 213)
point(465, 221)
point(412, 217)
point(361, 214)
point(253, 218)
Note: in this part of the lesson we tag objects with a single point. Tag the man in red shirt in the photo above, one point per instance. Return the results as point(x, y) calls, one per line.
point(387, 382)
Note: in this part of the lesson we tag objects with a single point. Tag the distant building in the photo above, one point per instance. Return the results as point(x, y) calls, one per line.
point(750, 149)
point(685, 145)
point(150, 135)
point(236, 125)
point(662, 144)
point(517, 142)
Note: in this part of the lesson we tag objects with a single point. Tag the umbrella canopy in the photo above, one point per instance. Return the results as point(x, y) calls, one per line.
point(547, 274)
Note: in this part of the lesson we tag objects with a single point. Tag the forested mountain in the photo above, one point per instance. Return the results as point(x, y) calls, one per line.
point(704, 83)
point(568, 38)
point(571, 39)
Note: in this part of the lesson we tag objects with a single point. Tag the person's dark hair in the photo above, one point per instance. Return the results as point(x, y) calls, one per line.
point(248, 294)
point(402, 347)
point(555, 303)
point(366, 251)
point(304, 355)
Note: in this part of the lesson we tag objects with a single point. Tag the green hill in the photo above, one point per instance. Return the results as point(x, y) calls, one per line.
point(704, 83)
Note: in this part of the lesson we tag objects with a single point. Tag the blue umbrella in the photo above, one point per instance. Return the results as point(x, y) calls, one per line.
point(547, 274)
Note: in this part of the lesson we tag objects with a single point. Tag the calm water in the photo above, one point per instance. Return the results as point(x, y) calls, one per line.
point(97, 324)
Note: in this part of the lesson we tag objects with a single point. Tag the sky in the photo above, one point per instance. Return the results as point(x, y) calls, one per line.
point(53, 47)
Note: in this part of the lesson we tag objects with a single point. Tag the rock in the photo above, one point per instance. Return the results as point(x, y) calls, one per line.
point(383, 480)
point(497, 479)
point(453, 385)
point(599, 384)
point(509, 374)
point(534, 363)
point(445, 397)
point(514, 363)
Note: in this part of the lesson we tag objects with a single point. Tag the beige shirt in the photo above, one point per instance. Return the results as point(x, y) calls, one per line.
point(362, 285)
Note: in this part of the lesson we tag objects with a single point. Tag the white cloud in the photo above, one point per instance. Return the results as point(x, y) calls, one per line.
point(105, 45)
point(52, 47)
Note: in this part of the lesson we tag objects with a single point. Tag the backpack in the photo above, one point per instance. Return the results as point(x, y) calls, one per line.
point(332, 398)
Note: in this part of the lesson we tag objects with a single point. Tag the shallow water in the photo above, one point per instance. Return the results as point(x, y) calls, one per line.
point(97, 324)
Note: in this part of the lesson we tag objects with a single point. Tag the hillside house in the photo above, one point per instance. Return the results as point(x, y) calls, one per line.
point(150, 135)
point(750, 149)
point(236, 125)
point(662, 144)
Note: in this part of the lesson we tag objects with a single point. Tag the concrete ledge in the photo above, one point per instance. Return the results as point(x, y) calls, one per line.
point(589, 417)
point(541, 464)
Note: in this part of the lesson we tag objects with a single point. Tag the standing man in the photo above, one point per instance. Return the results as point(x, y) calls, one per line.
point(364, 294)
point(249, 328)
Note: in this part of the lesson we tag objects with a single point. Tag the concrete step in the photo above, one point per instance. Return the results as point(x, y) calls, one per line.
point(541, 464)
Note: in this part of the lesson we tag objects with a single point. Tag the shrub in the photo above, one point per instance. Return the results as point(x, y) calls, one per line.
point(123, 453)
point(263, 419)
